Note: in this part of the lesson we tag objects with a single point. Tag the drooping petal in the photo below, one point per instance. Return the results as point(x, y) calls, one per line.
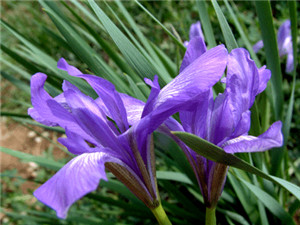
point(77, 178)
point(195, 48)
point(196, 31)
point(270, 139)
point(258, 46)
point(106, 92)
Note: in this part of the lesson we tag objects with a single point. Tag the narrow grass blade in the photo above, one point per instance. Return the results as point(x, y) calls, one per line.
point(270, 203)
point(173, 176)
point(45, 162)
point(136, 60)
point(217, 154)
point(227, 33)
point(206, 24)
point(163, 27)
point(242, 33)
point(264, 12)
point(17, 82)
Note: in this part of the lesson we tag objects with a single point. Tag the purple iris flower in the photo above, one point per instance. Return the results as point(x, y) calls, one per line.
point(285, 45)
point(225, 120)
point(114, 130)
point(195, 31)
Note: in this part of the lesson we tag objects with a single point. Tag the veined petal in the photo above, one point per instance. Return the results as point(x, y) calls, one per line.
point(270, 139)
point(195, 48)
point(91, 119)
point(106, 92)
point(197, 78)
point(77, 178)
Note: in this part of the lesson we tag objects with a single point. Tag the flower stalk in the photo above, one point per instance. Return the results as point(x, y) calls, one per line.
point(210, 217)
point(161, 215)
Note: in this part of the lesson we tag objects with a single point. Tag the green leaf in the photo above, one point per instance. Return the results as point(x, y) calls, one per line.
point(217, 154)
point(174, 176)
point(206, 24)
point(135, 59)
point(162, 26)
point(45, 162)
point(270, 203)
point(264, 12)
point(227, 33)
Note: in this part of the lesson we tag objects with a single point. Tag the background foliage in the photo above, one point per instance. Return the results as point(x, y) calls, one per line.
point(124, 44)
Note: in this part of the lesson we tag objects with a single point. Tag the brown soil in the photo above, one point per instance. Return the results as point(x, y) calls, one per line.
point(17, 137)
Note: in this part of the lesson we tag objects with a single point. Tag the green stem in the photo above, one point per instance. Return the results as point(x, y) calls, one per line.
point(210, 218)
point(161, 215)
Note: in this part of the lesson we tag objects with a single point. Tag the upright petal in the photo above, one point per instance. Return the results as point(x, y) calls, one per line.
point(195, 48)
point(134, 108)
point(77, 178)
point(44, 114)
point(258, 45)
point(155, 89)
point(270, 139)
point(196, 31)
point(284, 38)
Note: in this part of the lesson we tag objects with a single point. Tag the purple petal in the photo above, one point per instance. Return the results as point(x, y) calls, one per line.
point(134, 108)
point(106, 92)
point(77, 178)
point(284, 38)
point(244, 82)
point(258, 46)
point(196, 31)
point(91, 119)
point(195, 48)
point(75, 143)
point(155, 89)
point(270, 139)
point(197, 78)
point(221, 121)
point(195, 121)
point(289, 63)
point(41, 112)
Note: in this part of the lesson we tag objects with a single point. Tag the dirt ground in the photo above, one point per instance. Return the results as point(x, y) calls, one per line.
point(17, 137)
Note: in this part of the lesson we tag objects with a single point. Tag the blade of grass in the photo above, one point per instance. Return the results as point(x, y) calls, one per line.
point(227, 33)
point(136, 60)
point(264, 12)
point(206, 24)
point(45, 162)
point(181, 46)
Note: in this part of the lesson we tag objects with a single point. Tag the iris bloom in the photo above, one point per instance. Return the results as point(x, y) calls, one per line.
point(195, 31)
point(124, 146)
point(285, 45)
point(225, 120)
